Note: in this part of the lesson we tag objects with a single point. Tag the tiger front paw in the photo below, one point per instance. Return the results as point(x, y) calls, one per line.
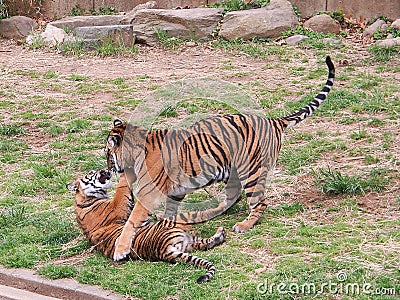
point(122, 249)
point(241, 227)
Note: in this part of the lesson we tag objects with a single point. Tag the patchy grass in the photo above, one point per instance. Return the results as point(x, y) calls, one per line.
point(252, 48)
point(166, 40)
point(110, 47)
point(333, 213)
point(384, 54)
point(334, 182)
point(11, 129)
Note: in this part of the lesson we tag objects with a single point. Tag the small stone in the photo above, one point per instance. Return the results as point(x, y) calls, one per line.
point(323, 23)
point(295, 39)
point(396, 24)
point(261, 270)
point(190, 44)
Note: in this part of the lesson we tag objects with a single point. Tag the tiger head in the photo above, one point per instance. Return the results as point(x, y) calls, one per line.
point(113, 147)
point(93, 186)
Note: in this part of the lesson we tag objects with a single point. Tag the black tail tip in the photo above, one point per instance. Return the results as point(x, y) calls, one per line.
point(329, 63)
point(203, 279)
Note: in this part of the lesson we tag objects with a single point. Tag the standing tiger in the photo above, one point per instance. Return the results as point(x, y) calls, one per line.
point(238, 149)
point(102, 221)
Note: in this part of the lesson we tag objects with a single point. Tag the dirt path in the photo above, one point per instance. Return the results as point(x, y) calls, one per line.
point(150, 61)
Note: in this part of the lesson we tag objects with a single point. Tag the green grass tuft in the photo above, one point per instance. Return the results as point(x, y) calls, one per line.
point(11, 129)
point(111, 47)
point(56, 272)
point(384, 54)
point(335, 183)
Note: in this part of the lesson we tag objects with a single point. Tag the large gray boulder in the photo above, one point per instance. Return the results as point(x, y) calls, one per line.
point(186, 23)
point(17, 27)
point(96, 34)
point(70, 23)
point(322, 23)
point(266, 22)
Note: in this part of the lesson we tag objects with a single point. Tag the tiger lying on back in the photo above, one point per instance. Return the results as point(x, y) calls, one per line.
point(238, 149)
point(102, 221)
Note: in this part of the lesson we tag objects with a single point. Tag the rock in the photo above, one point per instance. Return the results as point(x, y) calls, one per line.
point(396, 24)
point(87, 36)
point(191, 44)
point(70, 23)
point(266, 22)
point(295, 39)
point(118, 33)
point(369, 31)
point(17, 27)
point(384, 27)
point(185, 23)
point(388, 42)
point(130, 15)
point(53, 36)
point(322, 23)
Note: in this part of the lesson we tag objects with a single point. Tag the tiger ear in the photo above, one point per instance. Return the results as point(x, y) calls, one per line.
point(73, 187)
point(117, 122)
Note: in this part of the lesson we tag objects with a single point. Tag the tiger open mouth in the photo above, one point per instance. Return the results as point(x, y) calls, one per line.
point(105, 175)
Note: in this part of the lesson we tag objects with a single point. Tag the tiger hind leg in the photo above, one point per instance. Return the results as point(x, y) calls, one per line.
point(193, 260)
point(233, 193)
point(208, 243)
point(255, 193)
